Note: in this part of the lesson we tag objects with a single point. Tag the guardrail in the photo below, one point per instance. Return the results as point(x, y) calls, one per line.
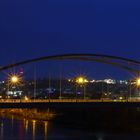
point(62, 100)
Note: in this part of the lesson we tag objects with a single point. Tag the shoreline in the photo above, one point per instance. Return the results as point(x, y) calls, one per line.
point(31, 114)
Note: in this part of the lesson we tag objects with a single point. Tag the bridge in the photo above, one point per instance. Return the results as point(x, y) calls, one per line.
point(121, 62)
point(68, 103)
point(126, 64)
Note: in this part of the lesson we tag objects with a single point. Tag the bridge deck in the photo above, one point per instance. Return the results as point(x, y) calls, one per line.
point(66, 103)
point(62, 100)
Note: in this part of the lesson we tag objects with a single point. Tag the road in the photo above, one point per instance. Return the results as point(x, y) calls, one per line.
point(63, 100)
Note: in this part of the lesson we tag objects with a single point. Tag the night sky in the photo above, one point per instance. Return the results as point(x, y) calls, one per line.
point(30, 29)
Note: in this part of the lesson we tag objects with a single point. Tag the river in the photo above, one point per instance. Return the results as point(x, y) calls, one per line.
point(97, 124)
point(13, 129)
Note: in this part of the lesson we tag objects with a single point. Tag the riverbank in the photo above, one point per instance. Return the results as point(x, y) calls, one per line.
point(34, 114)
point(107, 119)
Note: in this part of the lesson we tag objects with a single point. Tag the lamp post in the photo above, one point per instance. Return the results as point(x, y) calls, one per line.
point(130, 88)
point(49, 86)
point(35, 82)
point(82, 82)
point(138, 84)
point(14, 80)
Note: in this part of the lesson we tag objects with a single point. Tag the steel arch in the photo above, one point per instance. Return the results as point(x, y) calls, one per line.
point(121, 62)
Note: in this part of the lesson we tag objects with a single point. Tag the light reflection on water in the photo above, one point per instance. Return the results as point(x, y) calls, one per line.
point(34, 128)
point(13, 129)
point(1, 131)
point(24, 129)
point(26, 125)
point(46, 129)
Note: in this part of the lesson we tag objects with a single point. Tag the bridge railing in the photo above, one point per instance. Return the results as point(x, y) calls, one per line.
point(62, 100)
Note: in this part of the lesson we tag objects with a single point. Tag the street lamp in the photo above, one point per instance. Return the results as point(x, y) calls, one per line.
point(13, 81)
point(137, 85)
point(138, 82)
point(130, 88)
point(82, 81)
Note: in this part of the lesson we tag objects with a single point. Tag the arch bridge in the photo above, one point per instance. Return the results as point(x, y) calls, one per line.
point(127, 64)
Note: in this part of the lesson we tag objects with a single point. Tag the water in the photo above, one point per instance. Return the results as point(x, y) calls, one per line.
point(13, 129)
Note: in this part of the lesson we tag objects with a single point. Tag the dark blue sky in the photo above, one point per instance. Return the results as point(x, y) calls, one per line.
point(31, 29)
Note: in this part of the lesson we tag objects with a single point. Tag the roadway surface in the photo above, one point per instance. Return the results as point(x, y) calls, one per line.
point(68, 103)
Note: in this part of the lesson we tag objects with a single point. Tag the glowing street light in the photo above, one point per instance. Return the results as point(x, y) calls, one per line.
point(138, 85)
point(138, 82)
point(14, 79)
point(81, 81)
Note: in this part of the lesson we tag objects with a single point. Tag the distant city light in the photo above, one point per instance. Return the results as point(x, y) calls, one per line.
point(92, 81)
point(26, 98)
point(14, 93)
point(120, 98)
point(109, 81)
